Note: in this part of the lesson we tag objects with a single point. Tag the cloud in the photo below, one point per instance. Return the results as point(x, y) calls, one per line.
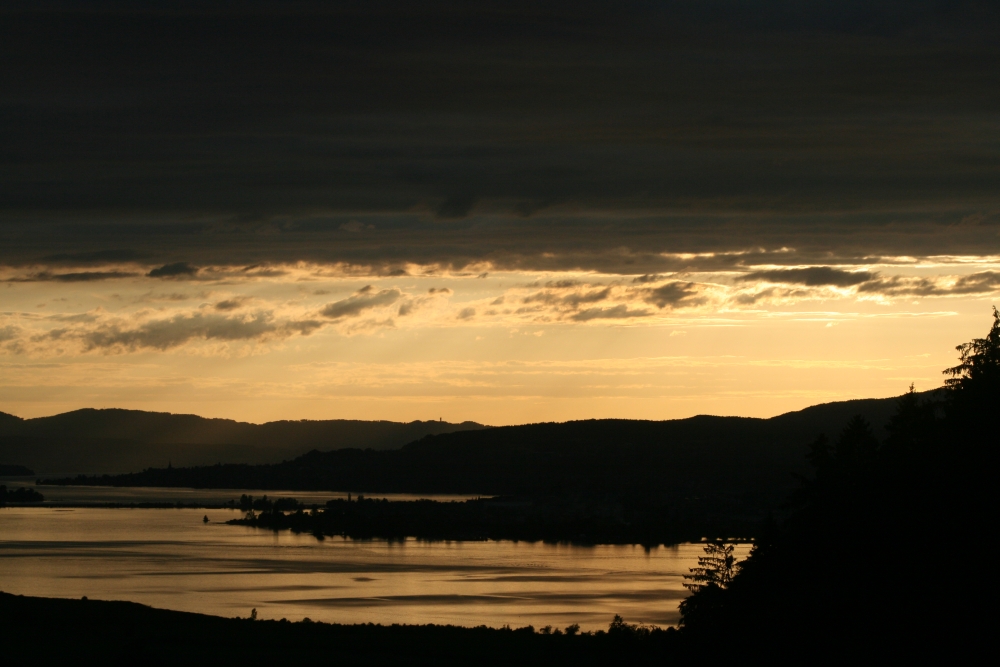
point(673, 295)
point(813, 276)
point(9, 332)
point(78, 317)
point(175, 270)
point(619, 312)
point(455, 166)
point(151, 297)
point(467, 313)
point(362, 300)
point(167, 333)
point(96, 257)
point(983, 282)
point(573, 301)
point(233, 303)
point(74, 277)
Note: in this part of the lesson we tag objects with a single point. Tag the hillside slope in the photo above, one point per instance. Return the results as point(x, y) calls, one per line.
point(116, 440)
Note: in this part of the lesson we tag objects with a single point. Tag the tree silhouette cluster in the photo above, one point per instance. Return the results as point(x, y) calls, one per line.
point(874, 549)
point(21, 494)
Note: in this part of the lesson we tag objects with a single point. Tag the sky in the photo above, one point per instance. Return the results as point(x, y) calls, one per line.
point(500, 212)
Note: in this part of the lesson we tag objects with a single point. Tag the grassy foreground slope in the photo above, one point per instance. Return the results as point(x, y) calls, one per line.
point(52, 630)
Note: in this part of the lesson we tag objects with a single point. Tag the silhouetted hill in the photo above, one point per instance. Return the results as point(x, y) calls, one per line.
point(117, 441)
point(9, 422)
point(127, 440)
point(723, 473)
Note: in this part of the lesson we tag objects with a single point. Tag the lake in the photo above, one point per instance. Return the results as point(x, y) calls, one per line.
point(169, 558)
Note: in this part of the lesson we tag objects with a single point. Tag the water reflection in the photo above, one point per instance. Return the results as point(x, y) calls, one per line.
point(170, 559)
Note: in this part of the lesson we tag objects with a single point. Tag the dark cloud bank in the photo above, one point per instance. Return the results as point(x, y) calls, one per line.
point(534, 135)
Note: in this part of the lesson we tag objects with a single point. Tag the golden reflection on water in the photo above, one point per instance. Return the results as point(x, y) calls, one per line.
point(171, 559)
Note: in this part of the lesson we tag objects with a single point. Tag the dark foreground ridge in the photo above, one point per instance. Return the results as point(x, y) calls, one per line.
point(877, 538)
point(116, 632)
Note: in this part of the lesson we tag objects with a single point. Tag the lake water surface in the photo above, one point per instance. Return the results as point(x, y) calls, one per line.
point(169, 558)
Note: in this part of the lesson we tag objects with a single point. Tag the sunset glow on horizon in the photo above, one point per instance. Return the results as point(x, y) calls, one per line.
point(504, 214)
point(308, 341)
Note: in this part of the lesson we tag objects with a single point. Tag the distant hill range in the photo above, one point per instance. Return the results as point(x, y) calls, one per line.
point(115, 441)
point(466, 457)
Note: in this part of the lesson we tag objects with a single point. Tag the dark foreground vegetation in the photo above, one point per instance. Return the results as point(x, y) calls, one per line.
point(19, 495)
point(884, 543)
point(50, 630)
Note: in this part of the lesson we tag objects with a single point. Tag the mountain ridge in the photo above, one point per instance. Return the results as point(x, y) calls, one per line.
point(119, 441)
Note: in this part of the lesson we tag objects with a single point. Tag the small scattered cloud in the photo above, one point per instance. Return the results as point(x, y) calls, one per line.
point(564, 284)
point(983, 282)
point(619, 312)
point(232, 303)
point(467, 313)
point(164, 334)
point(78, 317)
point(362, 300)
point(9, 332)
point(72, 277)
point(673, 295)
point(575, 300)
point(152, 297)
point(175, 270)
point(812, 276)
